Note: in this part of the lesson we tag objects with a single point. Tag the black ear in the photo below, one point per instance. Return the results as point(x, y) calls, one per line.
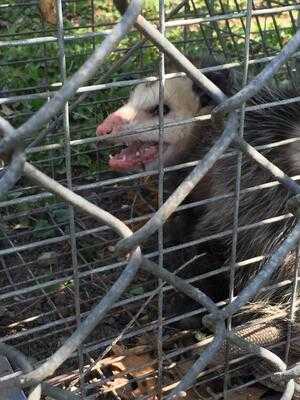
point(223, 79)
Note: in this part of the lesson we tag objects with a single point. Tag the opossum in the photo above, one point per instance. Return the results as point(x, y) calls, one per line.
point(183, 143)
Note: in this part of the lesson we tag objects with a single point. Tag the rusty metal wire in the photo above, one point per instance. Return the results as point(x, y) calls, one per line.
point(13, 147)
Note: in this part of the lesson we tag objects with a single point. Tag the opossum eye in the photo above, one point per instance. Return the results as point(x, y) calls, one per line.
point(155, 110)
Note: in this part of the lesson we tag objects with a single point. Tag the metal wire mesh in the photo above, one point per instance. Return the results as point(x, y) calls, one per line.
point(58, 250)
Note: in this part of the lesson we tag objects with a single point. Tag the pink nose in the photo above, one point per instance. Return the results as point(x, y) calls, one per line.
point(112, 123)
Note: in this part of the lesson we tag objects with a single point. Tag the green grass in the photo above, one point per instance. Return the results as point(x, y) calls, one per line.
point(26, 66)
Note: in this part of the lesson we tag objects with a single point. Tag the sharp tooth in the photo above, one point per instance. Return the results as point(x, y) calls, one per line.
point(137, 153)
point(110, 156)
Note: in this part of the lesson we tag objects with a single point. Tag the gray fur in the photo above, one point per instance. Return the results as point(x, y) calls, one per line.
point(261, 127)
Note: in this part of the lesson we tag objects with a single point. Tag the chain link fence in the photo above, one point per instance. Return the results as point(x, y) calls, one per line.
point(73, 281)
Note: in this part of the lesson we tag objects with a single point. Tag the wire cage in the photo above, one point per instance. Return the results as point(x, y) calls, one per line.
point(58, 260)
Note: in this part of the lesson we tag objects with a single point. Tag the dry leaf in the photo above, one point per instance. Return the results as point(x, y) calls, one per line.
point(127, 364)
point(137, 362)
point(48, 11)
point(6, 110)
point(20, 226)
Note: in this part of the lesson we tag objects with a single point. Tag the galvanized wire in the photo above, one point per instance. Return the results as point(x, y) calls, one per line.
point(11, 146)
point(66, 125)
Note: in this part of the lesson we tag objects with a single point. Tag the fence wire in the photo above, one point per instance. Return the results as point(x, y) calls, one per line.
point(15, 147)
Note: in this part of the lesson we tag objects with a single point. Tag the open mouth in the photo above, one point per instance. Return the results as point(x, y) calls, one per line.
point(134, 155)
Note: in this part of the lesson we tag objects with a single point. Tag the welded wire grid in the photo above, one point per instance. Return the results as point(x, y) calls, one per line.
point(62, 263)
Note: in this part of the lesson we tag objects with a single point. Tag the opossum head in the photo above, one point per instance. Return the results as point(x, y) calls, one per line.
point(182, 100)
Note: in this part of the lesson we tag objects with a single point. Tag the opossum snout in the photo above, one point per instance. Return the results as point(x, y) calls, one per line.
point(113, 123)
